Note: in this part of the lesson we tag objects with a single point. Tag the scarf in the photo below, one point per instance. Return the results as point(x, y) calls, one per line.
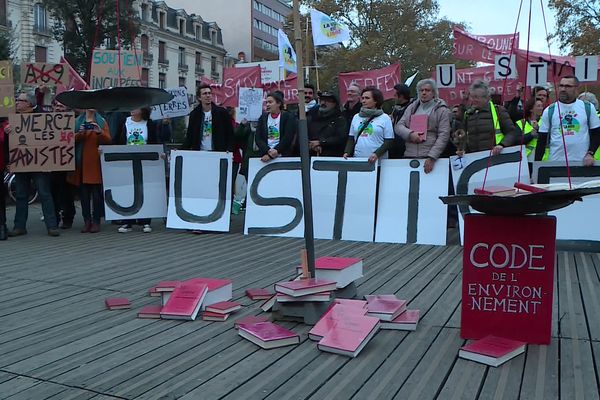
point(309, 105)
point(79, 145)
point(370, 112)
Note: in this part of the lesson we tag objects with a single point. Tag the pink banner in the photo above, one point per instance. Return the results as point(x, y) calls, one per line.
point(481, 48)
point(226, 94)
point(76, 82)
point(466, 76)
point(289, 87)
point(383, 79)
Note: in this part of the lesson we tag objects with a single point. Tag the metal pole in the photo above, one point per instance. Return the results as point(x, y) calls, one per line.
point(309, 238)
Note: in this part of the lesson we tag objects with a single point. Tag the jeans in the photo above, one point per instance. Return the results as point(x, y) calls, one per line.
point(91, 199)
point(62, 193)
point(42, 182)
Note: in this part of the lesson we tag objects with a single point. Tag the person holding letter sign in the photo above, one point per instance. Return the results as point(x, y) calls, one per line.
point(275, 130)
point(91, 131)
point(488, 126)
point(572, 119)
point(138, 130)
point(371, 132)
point(26, 103)
point(429, 140)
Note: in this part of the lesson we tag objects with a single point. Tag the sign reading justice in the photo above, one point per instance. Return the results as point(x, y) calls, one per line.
point(508, 275)
point(42, 142)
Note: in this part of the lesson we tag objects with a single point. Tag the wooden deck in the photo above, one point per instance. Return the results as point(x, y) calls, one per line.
point(58, 342)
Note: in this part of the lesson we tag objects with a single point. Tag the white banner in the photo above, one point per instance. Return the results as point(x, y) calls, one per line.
point(250, 104)
point(200, 190)
point(409, 208)
point(287, 55)
point(134, 182)
point(270, 71)
point(179, 106)
point(468, 173)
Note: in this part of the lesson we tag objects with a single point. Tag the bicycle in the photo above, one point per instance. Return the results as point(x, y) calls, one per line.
point(10, 184)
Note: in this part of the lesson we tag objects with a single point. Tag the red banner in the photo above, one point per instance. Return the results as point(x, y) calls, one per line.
point(383, 79)
point(508, 277)
point(76, 82)
point(482, 48)
point(226, 94)
point(466, 76)
point(289, 87)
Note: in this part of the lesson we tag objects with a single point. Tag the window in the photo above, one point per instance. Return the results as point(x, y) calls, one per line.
point(182, 56)
point(213, 38)
point(162, 80)
point(161, 20)
point(198, 58)
point(198, 32)
point(182, 81)
point(39, 18)
point(145, 44)
point(213, 65)
point(144, 12)
point(41, 54)
point(145, 77)
point(265, 45)
point(182, 27)
point(162, 49)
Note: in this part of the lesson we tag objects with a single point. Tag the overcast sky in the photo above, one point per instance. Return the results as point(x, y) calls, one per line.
point(490, 17)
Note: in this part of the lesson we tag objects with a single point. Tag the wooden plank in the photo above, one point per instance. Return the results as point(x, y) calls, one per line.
point(590, 293)
point(17, 385)
point(41, 390)
point(464, 380)
point(540, 379)
point(577, 377)
point(504, 382)
point(572, 316)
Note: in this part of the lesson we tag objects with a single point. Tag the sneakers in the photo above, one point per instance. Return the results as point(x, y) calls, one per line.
point(17, 232)
point(147, 228)
point(236, 206)
point(53, 232)
point(94, 228)
point(125, 228)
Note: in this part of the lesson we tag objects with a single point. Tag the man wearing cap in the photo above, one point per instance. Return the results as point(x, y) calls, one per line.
point(327, 130)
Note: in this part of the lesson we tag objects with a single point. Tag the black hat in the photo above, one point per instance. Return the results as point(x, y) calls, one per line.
point(329, 95)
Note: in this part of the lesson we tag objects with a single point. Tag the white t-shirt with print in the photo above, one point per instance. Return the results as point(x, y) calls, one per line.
point(273, 130)
point(207, 130)
point(136, 132)
point(372, 136)
point(575, 128)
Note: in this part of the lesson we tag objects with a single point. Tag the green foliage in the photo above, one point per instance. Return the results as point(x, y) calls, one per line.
point(385, 32)
point(5, 45)
point(76, 26)
point(578, 25)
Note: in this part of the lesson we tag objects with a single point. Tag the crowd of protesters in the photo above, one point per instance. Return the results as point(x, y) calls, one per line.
point(358, 128)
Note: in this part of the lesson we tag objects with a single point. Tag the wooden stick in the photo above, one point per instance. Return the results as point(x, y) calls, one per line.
point(304, 264)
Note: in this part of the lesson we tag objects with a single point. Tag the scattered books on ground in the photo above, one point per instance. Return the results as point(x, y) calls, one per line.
point(323, 296)
point(349, 336)
point(268, 335)
point(492, 350)
point(341, 270)
point(167, 286)
point(223, 307)
point(117, 303)
point(213, 316)
point(151, 312)
point(218, 289)
point(386, 307)
point(153, 292)
point(267, 305)
point(335, 313)
point(305, 287)
point(258, 293)
point(185, 302)
point(407, 321)
point(249, 320)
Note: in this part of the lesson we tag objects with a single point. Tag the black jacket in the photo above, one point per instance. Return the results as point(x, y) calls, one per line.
point(349, 113)
point(152, 136)
point(287, 127)
point(222, 130)
point(331, 131)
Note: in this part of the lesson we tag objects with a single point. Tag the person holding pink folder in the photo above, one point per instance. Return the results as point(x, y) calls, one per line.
point(425, 125)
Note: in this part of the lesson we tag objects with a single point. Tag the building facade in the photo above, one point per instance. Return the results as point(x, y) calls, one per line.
point(249, 26)
point(178, 48)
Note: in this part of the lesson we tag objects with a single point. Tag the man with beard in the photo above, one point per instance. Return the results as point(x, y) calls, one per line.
point(573, 120)
point(327, 130)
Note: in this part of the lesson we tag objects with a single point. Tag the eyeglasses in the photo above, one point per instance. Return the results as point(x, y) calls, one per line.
point(566, 86)
point(25, 100)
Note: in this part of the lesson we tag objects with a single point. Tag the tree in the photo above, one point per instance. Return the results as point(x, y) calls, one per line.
point(386, 32)
point(578, 25)
point(76, 26)
point(5, 45)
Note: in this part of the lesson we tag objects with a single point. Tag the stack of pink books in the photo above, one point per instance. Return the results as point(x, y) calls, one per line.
point(302, 290)
point(392, 312)
point(342, 270)
point(268, 335)
point(345, 328)
point(220, 311)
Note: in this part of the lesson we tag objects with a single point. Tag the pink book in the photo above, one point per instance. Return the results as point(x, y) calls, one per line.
point(218, 289)
point(305, 286)
point(153, 292)
point(407, 321)
point(336, 263)
point(492, 350)
point(385, 307)
point(335, 313)
point(117, 303)
point(150, 311)
point(185, 302)
point(418, 123)
point(268, 335)
point(323, 296)
point(212, 316)
point(258, 293)
point(349, 337)
point(167, 286)
point(342, 270)
point(351, 302)
point(224, 307)
point(249, 320)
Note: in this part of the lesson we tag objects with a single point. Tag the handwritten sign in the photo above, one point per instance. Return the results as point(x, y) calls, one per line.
point(250, 104)
point(226, 94)
point(44, 74)
point(6, 73)
point(111, 70)
point(7, 100)
point(508, 275)
point(179, 106)
point(42, 142)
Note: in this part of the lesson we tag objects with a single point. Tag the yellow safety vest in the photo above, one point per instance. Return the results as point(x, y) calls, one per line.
point(597, 153)
point(530, 147)
point(499, 134)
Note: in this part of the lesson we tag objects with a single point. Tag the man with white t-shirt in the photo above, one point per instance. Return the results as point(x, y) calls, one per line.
point(572, 119)
point(210, 127)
